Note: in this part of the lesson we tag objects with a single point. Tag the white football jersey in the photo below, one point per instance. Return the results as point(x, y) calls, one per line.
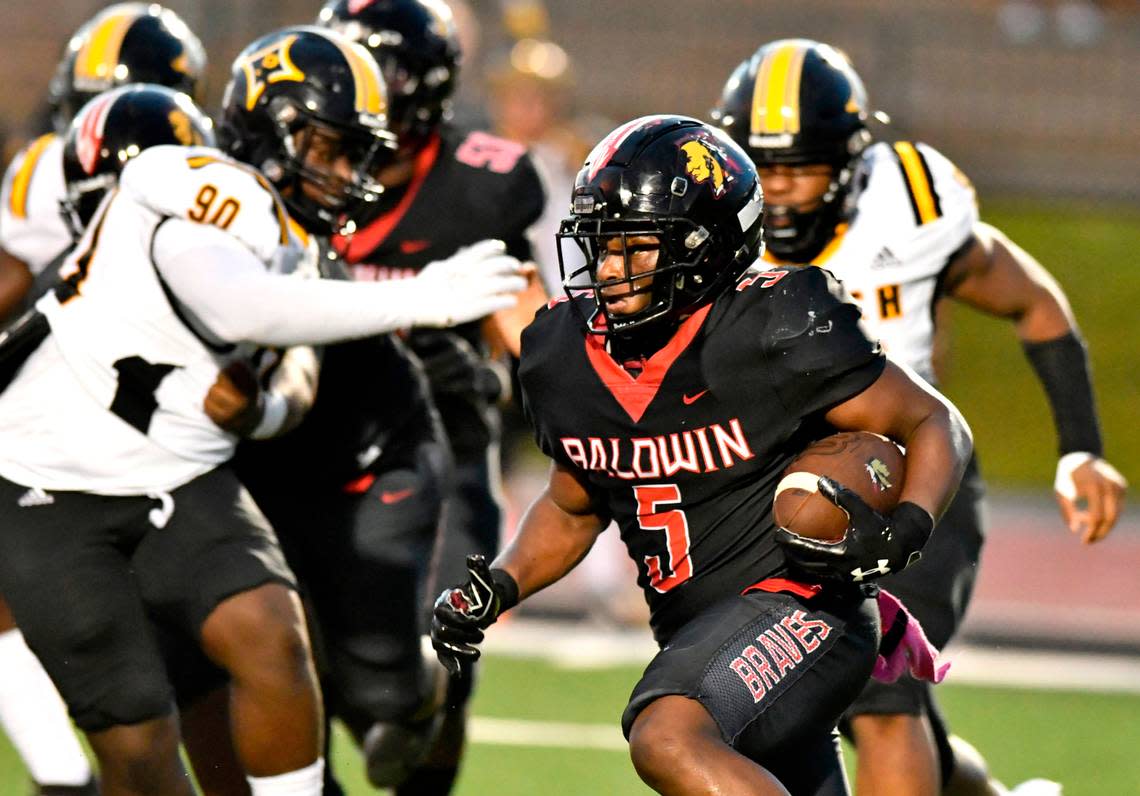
point(112, 402)
point(915, 210)
point(31, 226)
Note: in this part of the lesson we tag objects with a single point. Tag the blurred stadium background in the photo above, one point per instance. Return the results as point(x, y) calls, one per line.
point(1037, 101)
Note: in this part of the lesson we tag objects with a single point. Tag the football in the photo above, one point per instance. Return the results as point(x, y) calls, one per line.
point(869, 465)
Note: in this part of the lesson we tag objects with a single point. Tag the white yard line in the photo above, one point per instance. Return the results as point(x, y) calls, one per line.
point(553, 734)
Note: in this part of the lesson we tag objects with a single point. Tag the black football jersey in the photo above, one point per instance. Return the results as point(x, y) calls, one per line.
point(468, 186)
point(687, 455)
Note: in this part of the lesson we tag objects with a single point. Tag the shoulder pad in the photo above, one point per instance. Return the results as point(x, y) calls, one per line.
point(205, 186)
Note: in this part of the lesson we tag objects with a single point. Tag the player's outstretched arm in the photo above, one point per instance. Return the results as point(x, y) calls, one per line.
point(232, 295)
point(996, 276)
point(555, 534)
point(902, 406)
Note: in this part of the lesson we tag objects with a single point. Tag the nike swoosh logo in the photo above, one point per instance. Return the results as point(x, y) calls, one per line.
point(388, 498)
point(689, 399)
point(413, 246)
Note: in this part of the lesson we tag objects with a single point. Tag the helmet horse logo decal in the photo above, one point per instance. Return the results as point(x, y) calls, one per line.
point(704, 166)
point(270, 65)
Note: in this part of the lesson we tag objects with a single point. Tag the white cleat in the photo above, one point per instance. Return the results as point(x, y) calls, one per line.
point(1037, 787)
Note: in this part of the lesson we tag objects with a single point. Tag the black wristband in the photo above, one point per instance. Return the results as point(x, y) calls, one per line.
point(913, 526)
point(1062, 365)
point(507, 588)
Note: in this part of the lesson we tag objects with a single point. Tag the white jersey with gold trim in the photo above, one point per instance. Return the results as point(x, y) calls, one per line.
point(914, 211)
point(111, 402)
point(31, 226)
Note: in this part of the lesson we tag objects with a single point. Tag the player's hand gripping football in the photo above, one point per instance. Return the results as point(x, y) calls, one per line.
point(463, 612)
point(874, 545)
point(1090, 494)
point(474, 282)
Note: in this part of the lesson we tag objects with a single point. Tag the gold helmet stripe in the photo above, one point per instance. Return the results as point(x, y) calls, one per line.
point(370, 96)
point(923, 199)
point(100, 53)
point(776, 94)
point(18, 201)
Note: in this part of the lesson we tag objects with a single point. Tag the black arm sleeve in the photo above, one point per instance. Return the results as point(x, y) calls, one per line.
point(1062, 365)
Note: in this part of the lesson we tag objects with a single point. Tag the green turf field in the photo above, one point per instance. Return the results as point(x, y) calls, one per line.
point(1088, 742)
point(1092, 253)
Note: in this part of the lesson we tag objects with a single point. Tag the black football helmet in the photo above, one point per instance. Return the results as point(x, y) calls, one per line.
point(677, 179)
point(416, 45)
point(115, 127)
point(797, 102)
point(303, 87)
point(126, 43)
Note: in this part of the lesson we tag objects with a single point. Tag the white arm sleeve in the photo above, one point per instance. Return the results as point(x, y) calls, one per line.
point(230, 292)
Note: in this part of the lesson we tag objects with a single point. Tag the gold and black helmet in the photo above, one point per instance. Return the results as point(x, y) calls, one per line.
point(799, 102)
point(126, 43)
point(298, 86)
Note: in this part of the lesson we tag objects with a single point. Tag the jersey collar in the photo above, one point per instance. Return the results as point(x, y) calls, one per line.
point(358, 246)
point(635, 395)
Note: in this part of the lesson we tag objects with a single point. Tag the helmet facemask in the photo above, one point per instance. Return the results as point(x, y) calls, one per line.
point(808, 231)
point(304, 166)
point(682, 249)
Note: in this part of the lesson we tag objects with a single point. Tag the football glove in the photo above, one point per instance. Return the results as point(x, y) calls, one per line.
point(462, 613)
point(476, 281)
point(454, 367)
point(874, 545)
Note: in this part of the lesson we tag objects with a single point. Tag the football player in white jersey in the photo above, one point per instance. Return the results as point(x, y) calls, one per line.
point(898, 224)
point(110, 470)
point(122, 44)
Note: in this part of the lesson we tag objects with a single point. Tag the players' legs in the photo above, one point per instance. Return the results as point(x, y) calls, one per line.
point(366, 592)
point(677, 748)
point(755, 684)
point(216, 573)
point(472, 524)
point(35, 718)
point(896, 722)
point(259, 637)
point(896, 755)
point(88, 627)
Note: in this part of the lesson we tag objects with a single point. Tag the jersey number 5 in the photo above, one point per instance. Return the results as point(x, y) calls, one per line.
point(676, 527)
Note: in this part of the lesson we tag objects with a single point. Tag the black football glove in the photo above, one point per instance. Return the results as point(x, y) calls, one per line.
point(454, 367)
point(875, 545)
point(462, 613)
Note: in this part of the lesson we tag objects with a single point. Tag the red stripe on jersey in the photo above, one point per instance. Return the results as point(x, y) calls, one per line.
point(361, 244)
point(360, 485)
point(805, 590)
point(635, 395)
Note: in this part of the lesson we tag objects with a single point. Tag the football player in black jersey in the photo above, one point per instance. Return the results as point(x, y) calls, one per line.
point(898, 220)
point(671, 388)
point(448, 188)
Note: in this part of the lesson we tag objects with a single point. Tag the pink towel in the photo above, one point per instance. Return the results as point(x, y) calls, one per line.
point(913, 651)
